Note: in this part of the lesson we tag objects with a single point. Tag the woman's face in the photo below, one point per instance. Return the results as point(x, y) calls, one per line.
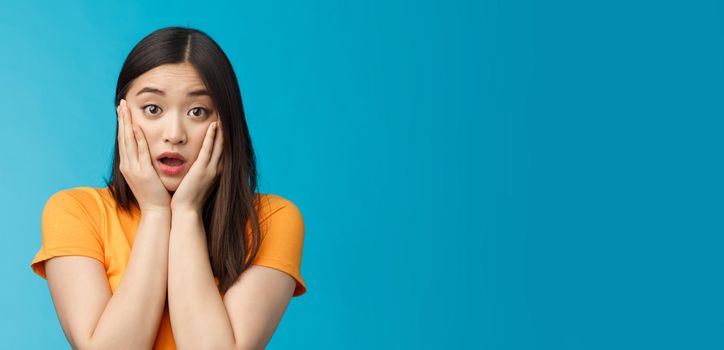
point(172, 107)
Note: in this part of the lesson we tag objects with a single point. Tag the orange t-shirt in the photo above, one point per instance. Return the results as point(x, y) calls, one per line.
point(84, 221)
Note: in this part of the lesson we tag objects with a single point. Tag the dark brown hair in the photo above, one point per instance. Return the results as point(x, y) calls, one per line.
point(232, 201)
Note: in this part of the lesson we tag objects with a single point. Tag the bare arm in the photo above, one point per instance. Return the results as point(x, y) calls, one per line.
point(91, 317)
point(249, 312)
point(198, 316)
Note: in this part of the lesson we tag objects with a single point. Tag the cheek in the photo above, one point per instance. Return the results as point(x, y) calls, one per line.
point(137, 117)
point(151, 138)
point(141, 125)
point(199, 140)
point(150, 131)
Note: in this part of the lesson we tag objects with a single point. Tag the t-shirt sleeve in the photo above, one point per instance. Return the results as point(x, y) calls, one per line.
point(69, 227)
point(283, 240)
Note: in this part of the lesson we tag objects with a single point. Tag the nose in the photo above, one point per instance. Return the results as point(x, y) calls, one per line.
point(174, 131)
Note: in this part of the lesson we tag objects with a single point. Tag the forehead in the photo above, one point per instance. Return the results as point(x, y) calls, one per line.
point(171, 78)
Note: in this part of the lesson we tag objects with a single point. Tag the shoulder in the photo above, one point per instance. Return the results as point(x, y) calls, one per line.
point(279, 210)
point(84, 200)
point(270, 203)
point(282, 238)
point(80, 194)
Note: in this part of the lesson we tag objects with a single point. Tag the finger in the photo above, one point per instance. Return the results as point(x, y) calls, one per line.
point(218, 146)
point(121, 138)
point(206, 147)
point(130, 140)
point(143, 156)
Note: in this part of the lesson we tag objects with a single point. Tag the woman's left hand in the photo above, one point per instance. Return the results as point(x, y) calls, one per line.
point(194, 187)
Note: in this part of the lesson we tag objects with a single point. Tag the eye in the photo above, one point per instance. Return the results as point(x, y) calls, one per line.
point(199, 109)
point(153, 110)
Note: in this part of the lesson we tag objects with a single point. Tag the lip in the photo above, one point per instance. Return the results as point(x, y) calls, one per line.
point(171, 155)
point(170, 169)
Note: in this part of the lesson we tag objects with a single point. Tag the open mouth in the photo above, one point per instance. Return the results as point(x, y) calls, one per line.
point(171, 161)
point(171, 166)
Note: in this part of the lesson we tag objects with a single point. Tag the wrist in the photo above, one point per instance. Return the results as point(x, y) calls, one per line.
point(156, 211)
point(185, 212)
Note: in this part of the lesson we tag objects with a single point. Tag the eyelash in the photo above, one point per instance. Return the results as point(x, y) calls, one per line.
point(206, 111)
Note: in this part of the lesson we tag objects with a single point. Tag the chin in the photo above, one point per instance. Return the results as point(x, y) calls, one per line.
point(170, 188)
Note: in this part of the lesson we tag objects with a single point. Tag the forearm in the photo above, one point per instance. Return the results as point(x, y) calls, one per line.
point(133, 314)
point(198, 315)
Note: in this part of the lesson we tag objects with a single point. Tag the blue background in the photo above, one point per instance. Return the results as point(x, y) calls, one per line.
point(490, 174)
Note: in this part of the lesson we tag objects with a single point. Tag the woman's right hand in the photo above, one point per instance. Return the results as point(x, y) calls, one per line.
point(136, 166)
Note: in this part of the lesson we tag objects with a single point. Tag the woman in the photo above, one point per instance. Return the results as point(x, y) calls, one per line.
point(157, 258)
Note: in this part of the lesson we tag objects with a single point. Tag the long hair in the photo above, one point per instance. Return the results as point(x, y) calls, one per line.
point(231, 207)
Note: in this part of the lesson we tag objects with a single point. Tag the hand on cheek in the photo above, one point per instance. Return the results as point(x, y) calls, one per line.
point(136, 164)
point(196, 184)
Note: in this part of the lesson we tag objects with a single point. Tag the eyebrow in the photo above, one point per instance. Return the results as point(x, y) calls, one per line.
point(201, 92)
